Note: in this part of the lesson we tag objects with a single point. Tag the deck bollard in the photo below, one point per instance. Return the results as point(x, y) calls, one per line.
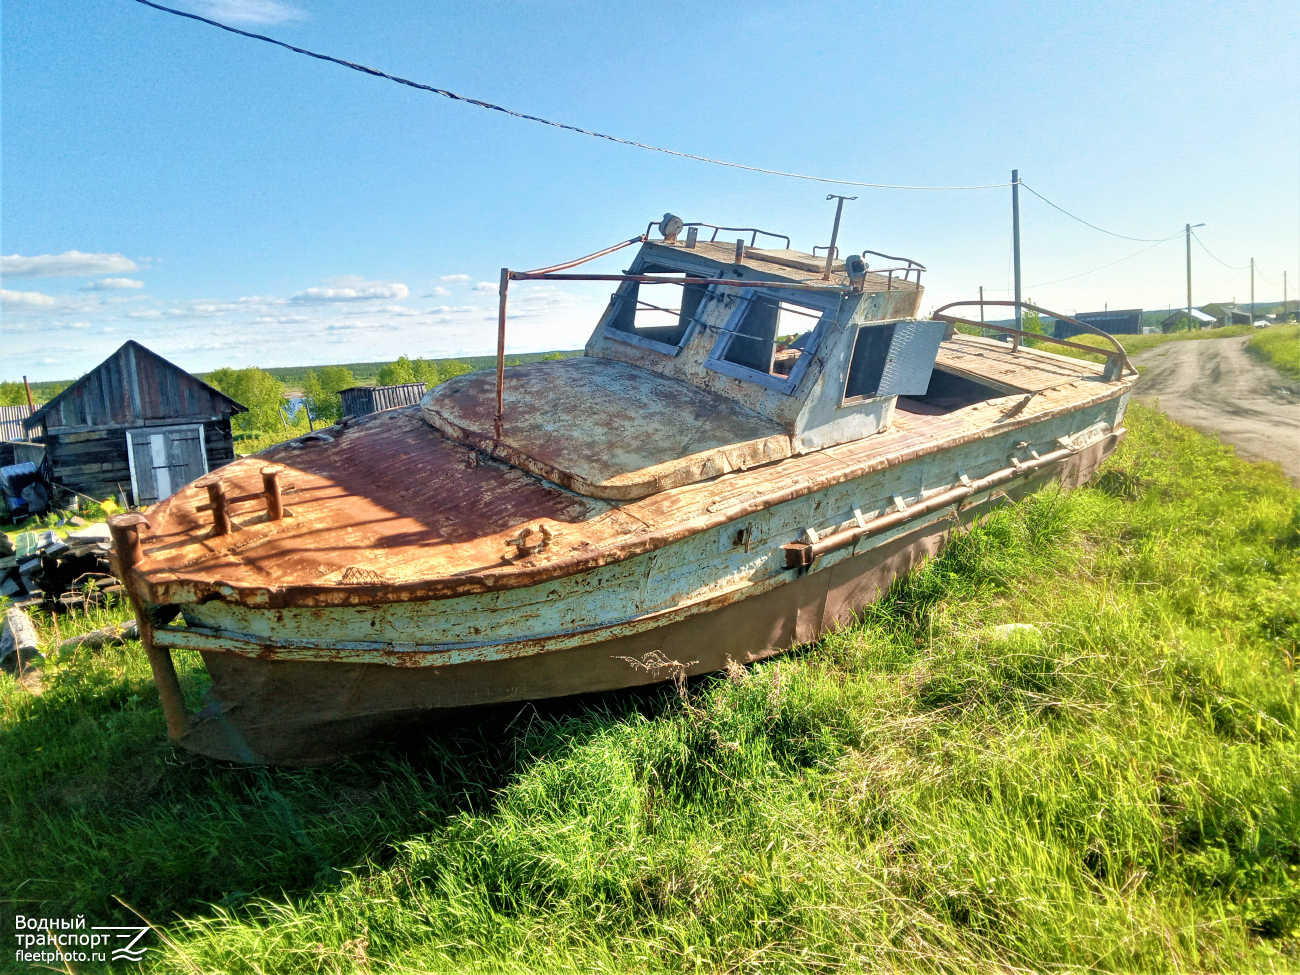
point(220, 513)
point(125, 529)
point(271, 491)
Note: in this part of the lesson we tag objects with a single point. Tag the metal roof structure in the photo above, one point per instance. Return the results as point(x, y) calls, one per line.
point(11, 422)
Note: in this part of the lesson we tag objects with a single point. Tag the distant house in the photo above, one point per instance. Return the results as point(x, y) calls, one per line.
point(1125, 322)
point(11, 422)
point(136, 423)
point(1228, 314)
point(1176, 321)
point(360, 400)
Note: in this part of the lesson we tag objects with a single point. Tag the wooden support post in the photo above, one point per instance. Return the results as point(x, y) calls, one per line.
point(125, 530)
point(220, 512)
point(501, 352)
point(271, 490)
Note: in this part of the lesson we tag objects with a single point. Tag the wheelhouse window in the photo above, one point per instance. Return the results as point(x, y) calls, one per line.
point(658, 316)
point(768, 339)
point(867, 366)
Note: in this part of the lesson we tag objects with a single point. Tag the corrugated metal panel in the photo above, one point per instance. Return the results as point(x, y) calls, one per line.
point(11, 422)
point(360, 400)
point(133, 385)
point(911, 358)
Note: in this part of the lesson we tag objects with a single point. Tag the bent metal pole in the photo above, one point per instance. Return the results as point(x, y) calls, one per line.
point(501, 350)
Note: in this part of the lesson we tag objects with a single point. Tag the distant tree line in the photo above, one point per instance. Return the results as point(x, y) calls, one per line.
point(271, 417)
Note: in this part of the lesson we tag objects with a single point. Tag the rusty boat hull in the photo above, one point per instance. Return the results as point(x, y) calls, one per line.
point(307, 684)
point(708, 487)
point(274, 709)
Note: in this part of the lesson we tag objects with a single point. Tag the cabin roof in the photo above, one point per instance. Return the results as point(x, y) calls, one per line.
point(131, 386)
point(604, 428)
point(783, 264)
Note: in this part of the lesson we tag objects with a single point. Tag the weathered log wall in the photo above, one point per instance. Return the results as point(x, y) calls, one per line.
point(95, 462)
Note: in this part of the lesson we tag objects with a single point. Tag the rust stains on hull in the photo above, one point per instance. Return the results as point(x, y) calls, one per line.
point(295, 712)
point(392, 511)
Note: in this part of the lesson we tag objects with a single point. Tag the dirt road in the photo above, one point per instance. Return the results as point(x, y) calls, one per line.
point(1216, 386)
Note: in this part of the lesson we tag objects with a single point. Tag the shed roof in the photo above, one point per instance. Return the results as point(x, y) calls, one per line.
point(11, 422)
point(130, 387)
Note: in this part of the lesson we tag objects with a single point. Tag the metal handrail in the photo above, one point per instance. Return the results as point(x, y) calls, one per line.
point(752, 231)
point(1116, 359)
point(891, 257)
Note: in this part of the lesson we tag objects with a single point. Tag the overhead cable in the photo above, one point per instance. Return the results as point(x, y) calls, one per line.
point(533, 118)
point(1141, 240)
point(1231, 267)
point(1104, 266)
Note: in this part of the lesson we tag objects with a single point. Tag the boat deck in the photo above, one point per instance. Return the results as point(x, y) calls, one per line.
point(387, 507)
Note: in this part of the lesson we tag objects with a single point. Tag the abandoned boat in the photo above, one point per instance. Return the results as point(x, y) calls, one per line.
point(725, 473)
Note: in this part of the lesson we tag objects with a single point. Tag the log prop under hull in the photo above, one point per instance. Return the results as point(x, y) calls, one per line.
point(277, 711)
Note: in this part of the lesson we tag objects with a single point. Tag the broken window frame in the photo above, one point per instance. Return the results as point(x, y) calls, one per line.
point(644, 341)
point(717, 361)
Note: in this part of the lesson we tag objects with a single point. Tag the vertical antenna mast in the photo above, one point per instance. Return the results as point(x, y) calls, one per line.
point(835, 232)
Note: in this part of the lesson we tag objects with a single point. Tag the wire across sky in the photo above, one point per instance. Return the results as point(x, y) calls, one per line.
point(479, 103)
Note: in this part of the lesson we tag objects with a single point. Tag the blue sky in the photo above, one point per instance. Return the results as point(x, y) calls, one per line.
point(230, 203)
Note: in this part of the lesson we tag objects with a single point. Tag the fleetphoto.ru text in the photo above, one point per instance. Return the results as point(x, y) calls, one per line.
point(55, 940)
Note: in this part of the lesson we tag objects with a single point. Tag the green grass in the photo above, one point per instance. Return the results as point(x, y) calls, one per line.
point(1133, 344)
point(1279, 345)
point(1119, 791)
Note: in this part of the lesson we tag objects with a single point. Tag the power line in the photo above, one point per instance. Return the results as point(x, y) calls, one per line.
point(1111, 264)
point(533, 118)
point(1141, 240)
point(1233, 267)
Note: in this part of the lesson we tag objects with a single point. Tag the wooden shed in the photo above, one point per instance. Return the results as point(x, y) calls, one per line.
point(360, 400)
point(135, 423)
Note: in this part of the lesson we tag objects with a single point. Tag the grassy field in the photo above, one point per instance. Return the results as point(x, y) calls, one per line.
point(1133, 344)
point(1116, 788)
point(1279, 345)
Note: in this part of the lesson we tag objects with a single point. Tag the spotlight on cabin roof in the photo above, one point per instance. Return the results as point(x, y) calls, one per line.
point(856, 268)
point(671, 226)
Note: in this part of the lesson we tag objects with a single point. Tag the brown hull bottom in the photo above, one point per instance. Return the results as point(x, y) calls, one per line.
point(311, 712)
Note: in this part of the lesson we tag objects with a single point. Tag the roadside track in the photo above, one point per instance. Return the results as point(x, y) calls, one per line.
point(1218, 387)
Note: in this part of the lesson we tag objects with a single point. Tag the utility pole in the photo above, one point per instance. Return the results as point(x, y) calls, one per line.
point(981, 302)
point(1015, 238)
point(1252, 292)
point(1190, 228)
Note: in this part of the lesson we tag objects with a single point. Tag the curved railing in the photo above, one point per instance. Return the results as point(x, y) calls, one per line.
point(1116, 358)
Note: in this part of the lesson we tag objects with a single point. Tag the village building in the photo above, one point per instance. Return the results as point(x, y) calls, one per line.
point(1228, 314)
point(360, 400)
point(1127, 321)
point(136, 425)
point(1178, 320)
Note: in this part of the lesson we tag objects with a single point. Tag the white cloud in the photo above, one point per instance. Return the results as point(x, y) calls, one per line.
point(437, 293)
point(112, 284)
point(485, 286)
point(146, 313)
point(455, 277)
point(399, 310)
point(26, 298)
point(69, 264)
point(249, 11)
point(363, 291)
point(78, 324)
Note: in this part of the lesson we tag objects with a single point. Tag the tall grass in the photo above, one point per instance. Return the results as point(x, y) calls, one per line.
point(1113, 788)
point(1279, 345)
